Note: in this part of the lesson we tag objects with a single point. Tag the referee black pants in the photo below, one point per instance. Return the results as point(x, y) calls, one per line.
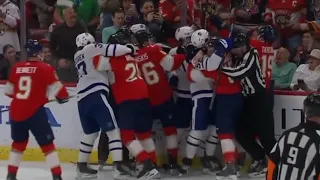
point(257, 121)
point(103, 146)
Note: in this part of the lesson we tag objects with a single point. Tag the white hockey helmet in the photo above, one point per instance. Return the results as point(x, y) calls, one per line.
point(84, 39)
point(138, 27)
point(183, 32)
point(199, 38)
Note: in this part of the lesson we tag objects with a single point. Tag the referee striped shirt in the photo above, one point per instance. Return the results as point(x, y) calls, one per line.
point(296, 156)
point(249, 71)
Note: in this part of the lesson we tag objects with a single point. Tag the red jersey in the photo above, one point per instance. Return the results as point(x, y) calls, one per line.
point(286, 13)
point(126, 82)
point(227, 85)
point(30, 85)
point(266, 53)
point(153, 63)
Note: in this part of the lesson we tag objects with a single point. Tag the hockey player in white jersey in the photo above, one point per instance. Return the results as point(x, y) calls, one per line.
point(202, 124)
point(94, 110)
point(183, 110)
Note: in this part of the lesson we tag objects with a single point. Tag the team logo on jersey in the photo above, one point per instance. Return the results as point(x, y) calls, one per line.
point(282, 18)
point(251, 7)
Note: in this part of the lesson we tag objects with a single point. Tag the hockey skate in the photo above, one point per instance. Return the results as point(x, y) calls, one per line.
point(229, 172)
point(147, 170)
point(258, 169)
point(57, 177)
point(84, 171)
point(186, 166)
point(11, 177)
point(123, 170)
point(173, 167)
point(210, 165)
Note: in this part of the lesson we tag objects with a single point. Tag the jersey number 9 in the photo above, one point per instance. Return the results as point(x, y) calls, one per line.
point(24, 86)
point(266, 65)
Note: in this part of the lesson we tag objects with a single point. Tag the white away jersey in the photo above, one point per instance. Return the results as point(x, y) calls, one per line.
point(204, 88)
point(183, 88)
point(91, 79)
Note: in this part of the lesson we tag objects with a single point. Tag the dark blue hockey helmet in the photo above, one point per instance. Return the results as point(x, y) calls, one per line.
point(123, 36)
point(240, 39)
point(212, 41)
point(267, 33)
point(311, 105)
point(33, 48)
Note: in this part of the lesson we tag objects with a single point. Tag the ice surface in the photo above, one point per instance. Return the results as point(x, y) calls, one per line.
point(39, 171)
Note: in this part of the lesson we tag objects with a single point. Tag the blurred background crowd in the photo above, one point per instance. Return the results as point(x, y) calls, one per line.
point(56, 27)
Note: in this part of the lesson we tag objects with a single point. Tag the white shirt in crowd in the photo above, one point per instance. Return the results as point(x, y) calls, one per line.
point(311, 78)
point(8, 25)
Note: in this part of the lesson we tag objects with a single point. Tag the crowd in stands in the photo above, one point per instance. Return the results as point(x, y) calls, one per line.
point(56, 27)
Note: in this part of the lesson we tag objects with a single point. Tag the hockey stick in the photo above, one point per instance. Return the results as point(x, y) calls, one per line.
point(214, 94)
point(50, 101)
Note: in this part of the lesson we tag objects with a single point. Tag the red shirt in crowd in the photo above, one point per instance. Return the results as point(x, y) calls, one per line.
point(30, 85)
point(285, 14)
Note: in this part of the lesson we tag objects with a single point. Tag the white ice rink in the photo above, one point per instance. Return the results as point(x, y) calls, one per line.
point(38, 171)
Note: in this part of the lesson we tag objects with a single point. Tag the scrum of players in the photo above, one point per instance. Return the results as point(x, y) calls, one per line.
point(142, 78)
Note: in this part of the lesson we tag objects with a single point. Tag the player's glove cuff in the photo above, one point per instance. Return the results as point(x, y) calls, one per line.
point(62, 101)
point(133, 49)
point(181, 50)
point(173, 81)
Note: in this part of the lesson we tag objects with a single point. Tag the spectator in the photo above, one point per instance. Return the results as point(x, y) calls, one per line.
point(313, 11)
point(9, 21)
point(152, 18)
point(307, 76)
point(304, 50)
point(282, 69)
point(130, 11)
point(107, 6)
point(88, 13)
point(286, 23)
point(63, 45)
point(46, 56)
point(118, 20)
point(45, 9)
point(10, 58)
point(247, 14)
point(62, 39)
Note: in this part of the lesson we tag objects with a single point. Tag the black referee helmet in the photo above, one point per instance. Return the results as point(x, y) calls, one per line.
point(312, 105)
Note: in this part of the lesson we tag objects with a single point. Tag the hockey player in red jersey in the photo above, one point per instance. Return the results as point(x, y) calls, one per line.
point(262, 40)
point(226, 110)
point(133, 108)
point(153, 63)
point(30, 85)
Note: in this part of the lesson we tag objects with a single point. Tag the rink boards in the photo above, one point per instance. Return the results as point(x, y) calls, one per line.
point(65, 122)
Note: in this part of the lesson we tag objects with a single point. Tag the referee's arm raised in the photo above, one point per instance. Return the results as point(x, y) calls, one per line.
point(248, 66)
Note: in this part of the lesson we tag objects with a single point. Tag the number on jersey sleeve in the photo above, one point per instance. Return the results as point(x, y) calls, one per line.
point(135, 74)
point(266, 65)
point(149, 74)
point(82, 68)
point(24, 86)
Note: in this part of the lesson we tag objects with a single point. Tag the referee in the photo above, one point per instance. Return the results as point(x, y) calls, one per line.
point(255, 120)
point(297, 153)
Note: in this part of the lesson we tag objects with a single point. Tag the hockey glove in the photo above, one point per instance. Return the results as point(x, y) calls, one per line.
point(62, 101)
point(191, 51)
point(173, 81)
point(133, 49)
point(223, 46)
point(181, 50)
